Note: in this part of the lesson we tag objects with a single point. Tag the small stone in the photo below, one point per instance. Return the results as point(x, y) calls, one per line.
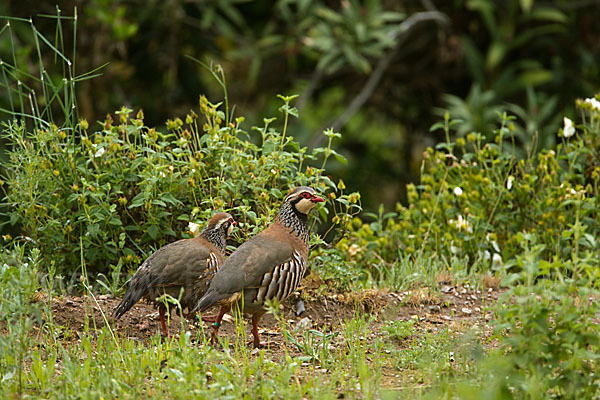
point(466, 311)
point(228, 318)
point(300, 307)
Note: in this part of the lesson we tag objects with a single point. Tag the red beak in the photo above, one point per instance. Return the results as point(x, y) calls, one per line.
point(317, 199)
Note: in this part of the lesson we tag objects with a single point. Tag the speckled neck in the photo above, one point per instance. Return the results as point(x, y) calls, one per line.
point(216, 236)
point(293, 219)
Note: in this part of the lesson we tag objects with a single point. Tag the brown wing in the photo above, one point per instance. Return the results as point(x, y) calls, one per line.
point(247, 267)
point(180, 263)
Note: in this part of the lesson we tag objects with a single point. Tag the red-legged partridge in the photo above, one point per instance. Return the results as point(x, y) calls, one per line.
point(268, 266)
point(187, 264)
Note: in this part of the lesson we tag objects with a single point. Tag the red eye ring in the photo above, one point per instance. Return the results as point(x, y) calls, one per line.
point(306, 195)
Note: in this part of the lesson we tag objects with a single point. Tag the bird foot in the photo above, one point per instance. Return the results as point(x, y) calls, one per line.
point(165, 338)
point(214, 337)
point(258, 345)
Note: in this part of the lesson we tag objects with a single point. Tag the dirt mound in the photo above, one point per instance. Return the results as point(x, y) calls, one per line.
point(459, 306)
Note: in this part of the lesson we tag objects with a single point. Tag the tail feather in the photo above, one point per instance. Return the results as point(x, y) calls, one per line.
point(208, 300)
point(131, 297)
point(142, 281)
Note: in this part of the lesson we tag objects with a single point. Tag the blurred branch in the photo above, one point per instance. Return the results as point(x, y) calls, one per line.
point(428, 5)
point(365, 93)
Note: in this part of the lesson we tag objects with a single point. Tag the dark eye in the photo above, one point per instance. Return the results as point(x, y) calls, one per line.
point(305, 195)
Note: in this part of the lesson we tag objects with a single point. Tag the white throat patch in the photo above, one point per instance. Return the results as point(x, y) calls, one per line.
point(304, 206)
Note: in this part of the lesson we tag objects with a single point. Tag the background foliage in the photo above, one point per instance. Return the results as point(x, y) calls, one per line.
point(374, 70)
point(101, 198)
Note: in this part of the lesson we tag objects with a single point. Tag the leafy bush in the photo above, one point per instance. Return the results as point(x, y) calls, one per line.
point(104, 197)
point(547, 328)
point(475, 197)
point(18, 314)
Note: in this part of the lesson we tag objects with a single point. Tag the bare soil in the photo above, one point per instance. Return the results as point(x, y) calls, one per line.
point(455, 307)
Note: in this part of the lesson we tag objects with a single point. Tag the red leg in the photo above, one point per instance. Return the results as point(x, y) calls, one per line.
point(256, 342)
point(217, 324)
point(163, 322)
point(206, 318)
point(209, 318)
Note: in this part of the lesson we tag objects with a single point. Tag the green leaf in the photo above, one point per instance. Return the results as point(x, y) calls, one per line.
point(495, 55)
point(158, 202)
point(289, 110)
point(549, 14)
point(152, 231)
point(436, 126)
point(138, 200)
point(339, 157)
point(251, 215)
point(115, 221)
point(526, 5)
point(536, 77)
point(169, 198)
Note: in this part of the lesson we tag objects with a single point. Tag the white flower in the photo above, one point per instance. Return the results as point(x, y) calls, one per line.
point(484, 255)
point(194, 228)
point(462, 223)
point(458, 191)
point(488, 237)
point(495, 246)
point(496, 261)
point(595, 103)
point(453, 248)
point(509, 182)
point(568, 129)
point(99, 152)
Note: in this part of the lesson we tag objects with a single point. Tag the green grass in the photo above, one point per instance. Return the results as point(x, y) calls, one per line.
point(362, 357)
